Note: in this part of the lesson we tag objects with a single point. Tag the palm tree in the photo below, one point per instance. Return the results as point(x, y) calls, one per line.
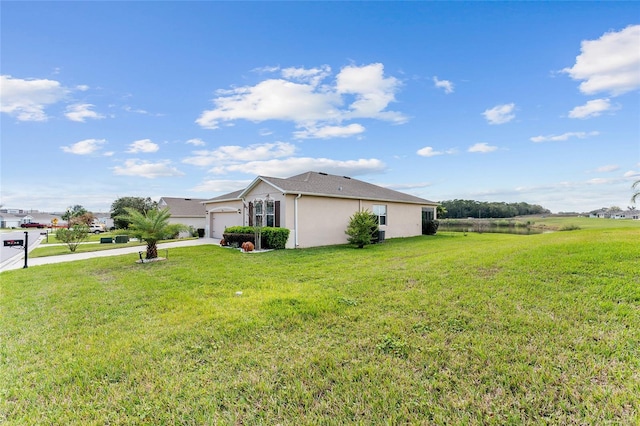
point(151, 227)
point(636, 192)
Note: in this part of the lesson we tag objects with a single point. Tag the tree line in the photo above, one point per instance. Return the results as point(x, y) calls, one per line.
point(462, 209)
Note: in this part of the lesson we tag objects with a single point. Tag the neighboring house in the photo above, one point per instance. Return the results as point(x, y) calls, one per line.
point(10, 220)
point(316, 208)
point(616, 214)
point(105, 219)
point(187, 211)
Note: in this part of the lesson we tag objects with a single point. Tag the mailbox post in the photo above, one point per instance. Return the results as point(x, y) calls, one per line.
point(26, 248)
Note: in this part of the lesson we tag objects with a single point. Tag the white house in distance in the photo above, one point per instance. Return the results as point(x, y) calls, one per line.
point(187, 211)
point(316, 208)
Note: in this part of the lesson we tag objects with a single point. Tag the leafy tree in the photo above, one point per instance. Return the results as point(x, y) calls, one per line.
point(361, 227)
point(74, 212)
point(151, 227)
point(636, 191)
point(119, 209)
point(84, 219)
point(73, 236)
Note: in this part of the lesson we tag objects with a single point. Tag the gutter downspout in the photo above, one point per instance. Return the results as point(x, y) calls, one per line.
point(244, 207)
point(295, 219)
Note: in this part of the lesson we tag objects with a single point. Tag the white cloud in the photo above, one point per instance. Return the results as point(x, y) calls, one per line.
point(632, 174)
point(80, 112)
point(27, 99)
point(135, 167)
point(312, 75)
point(295, 165)
point(196, 142)
point(609, 64)
point(221, 185)
point(500, 114)
point(482, 147)
point(428, 151)
point(443, 84)
point(234, 154)
point(592, 108)
point(563, 137)
point(300, 98)
point(372, 90)
point(607, 168)
point(330, 132)
point(143, 145)
point(84, 147)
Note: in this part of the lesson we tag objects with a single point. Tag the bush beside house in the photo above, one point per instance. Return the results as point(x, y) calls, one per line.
point(272, 238)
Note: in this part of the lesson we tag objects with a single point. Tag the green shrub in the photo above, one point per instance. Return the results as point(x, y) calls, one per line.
point(430, 227)
point(362, 226)
point(275, 238)
point(72, 237)
point(272, 238)
point(239, 230)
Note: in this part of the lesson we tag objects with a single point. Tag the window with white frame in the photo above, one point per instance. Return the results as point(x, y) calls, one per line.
point(270, 212)
point(380, 212)
point(258, 213)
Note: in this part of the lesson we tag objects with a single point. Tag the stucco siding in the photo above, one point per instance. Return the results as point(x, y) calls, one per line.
point(403, 220)
point(322, 221)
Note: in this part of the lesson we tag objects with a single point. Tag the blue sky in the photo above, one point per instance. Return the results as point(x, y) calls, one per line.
point(535, 102)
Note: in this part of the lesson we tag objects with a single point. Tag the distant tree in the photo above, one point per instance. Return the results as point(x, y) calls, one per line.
point(119, 209)
point(460, 209)
point(73, 235)
point(73, 212)
point(151, 227)
point(361, 227)
point(84, 219)
point(636, 191)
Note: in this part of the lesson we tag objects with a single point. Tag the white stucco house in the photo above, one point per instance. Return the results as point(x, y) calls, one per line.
point(316, 208)
point(186, 211)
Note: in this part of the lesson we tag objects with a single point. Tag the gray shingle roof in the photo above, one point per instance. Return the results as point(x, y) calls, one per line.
point(323, 184)
point(184, 207)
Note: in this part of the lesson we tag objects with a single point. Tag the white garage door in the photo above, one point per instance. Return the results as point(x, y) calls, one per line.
point(222, 220)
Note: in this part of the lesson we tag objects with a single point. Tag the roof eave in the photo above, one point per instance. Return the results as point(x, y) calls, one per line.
point(353, 197)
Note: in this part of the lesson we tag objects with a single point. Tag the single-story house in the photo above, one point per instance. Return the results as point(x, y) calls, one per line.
point(187, 211)
point(10, 220)
point(616, 214)
point(316, 208)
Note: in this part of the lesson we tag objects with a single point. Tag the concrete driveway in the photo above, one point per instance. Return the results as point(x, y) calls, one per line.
point(18, 262)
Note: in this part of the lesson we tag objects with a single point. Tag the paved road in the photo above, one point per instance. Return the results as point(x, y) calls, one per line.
point(18, 262)
point(16, 253)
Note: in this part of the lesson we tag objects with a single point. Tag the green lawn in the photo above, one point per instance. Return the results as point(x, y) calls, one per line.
point(446, 329)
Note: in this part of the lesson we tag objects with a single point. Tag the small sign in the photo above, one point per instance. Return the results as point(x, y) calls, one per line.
point(13, 243)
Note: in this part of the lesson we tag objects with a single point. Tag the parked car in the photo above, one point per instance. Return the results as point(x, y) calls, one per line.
point(97, 228)
point(33, 225)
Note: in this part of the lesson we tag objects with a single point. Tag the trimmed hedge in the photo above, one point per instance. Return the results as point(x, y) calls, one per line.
point(272, 238)
point(275, 238)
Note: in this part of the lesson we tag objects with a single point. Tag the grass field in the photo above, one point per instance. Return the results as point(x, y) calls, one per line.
point(446, 329)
